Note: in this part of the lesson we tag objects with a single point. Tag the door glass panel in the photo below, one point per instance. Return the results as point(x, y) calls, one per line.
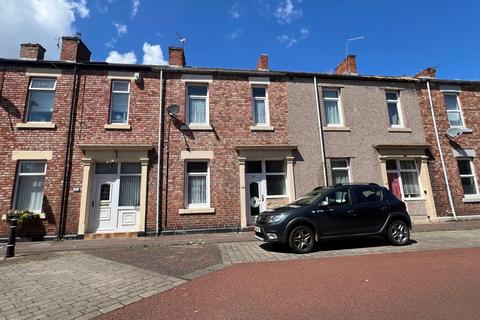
point(254, 199)
point(254, 166)
point(106, 168)
point(105, 192)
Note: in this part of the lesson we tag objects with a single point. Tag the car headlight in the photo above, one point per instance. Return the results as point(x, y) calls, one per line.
point(275, 218)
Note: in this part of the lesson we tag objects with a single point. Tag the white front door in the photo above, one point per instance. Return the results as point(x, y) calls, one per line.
point(105, 203)
point(256, 196)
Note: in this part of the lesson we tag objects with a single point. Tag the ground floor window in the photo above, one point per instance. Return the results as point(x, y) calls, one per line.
point(467, 175)
point(130, 177)
point(340, 171)
point(29, 185)
point(274, 174)
point(197, 184)
point(403, 178)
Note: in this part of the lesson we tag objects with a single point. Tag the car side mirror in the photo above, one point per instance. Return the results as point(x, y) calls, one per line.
point(324, 203)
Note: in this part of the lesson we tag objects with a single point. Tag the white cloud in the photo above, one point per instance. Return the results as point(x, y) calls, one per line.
point(234, 35)
point(121, 28)
point(291, 39)
point(152, 54)
point(116, 57)
point(286, 12)
point(135, 7)
point(235, 11)
point(38, 22)
point(111, 43)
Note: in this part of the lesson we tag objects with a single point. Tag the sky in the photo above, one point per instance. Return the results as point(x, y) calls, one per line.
point(400, 37)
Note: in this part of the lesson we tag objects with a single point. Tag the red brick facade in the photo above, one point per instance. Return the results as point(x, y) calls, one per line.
point(469, 97)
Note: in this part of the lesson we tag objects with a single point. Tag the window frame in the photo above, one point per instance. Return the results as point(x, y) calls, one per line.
point(472, 168)
point(120, 174)
point(399, 171)
point(347, 168)
point(339, 106)
point(112, 92)
point(30, 89)
point(18, 174)
point(458, 110)
point(284, 174)
point(207, 187)
point(267, 106)
point(399, 109)
point(187, 103)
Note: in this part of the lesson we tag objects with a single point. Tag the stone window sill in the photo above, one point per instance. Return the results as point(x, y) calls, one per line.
point(120, 126)
point(399, 130)
point(196, 127)
point(196, 211)
point(338, 129)
point(471, 199)
point(262, 128)
point(35, 125)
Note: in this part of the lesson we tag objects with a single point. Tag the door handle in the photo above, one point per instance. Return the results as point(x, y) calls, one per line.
point(351, 212)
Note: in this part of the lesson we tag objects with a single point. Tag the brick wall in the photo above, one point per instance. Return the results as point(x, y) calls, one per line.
point(230, 106)
point(470, 104)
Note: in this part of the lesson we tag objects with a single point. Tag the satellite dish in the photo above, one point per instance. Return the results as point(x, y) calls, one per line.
point(173, 109)
point(454, 132)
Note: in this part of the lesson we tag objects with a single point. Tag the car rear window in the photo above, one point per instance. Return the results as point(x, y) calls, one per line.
point(367, 194)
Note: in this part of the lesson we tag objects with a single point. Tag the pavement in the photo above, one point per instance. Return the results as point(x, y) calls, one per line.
point(83, 279)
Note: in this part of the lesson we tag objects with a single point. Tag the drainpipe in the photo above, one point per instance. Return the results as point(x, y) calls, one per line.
point(320, 130)
point(450, 200)
point(159, 157)
point(68, 156)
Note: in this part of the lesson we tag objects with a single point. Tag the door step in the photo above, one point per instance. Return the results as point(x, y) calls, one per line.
point(111, 235)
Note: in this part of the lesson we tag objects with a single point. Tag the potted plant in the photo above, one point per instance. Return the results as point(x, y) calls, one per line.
point(22, 216)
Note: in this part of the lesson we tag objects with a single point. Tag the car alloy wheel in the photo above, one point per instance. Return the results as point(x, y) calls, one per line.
point(398, 233)
point(301, 239)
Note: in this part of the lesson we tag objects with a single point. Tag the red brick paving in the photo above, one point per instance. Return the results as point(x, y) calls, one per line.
point(442, 284)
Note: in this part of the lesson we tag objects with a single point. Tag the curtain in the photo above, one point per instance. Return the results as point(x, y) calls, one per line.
point(197, 109)
point(30, 193)
point(129, 191)
point(410, 184)
point(394, 184)
point(260, 112)
point(331, 112)
point(339, 176)
point(197, 189)
point(393, 114)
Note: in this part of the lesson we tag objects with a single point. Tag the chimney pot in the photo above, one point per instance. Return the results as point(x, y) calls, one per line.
point(347, 66)
point(73, 49)
point(32, 51)
point(429, 72)
point(262, 63)
point(176, 57)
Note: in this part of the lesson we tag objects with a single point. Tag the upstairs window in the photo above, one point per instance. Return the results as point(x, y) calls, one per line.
point(467, 175)
point(29, 185)
point(260, 106)
point(333, 113)
point(340, 171)
point(41, 97)
point(394, 112)
point(120, 102)
point(454, 111)
point(197, 104)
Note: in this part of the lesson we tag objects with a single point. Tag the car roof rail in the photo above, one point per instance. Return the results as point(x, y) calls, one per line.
point(356, 183)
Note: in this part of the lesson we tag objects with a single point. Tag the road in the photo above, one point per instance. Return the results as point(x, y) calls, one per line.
point(436, 284)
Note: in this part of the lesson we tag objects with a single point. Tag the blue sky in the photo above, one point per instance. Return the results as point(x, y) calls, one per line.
point(401, 37)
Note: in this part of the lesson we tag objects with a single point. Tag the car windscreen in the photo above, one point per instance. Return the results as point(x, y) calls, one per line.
point(312, 196)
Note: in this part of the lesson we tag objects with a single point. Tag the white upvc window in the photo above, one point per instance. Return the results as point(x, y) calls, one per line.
point(340, 171)
point(130, 184)
point(29, 185)
point(333, 108)
point(119, 102)
point(197, 104)
point(406, 173)
point(197, 184)
point(454, 110)
point(41, 98)
point(275, 176)
point(395, 116)
point(467, 176)
point(261, 114)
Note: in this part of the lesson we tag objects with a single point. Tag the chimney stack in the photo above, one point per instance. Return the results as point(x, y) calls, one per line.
point(347, 66)
point(74, 50)
point(32, 51)
point(262, 63)
point(429, 72)
point(176, 57)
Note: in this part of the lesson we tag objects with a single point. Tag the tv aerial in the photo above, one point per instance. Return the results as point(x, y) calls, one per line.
point(182, 40)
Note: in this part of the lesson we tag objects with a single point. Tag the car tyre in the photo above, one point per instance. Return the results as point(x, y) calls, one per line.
point(301, 239)
point(398, 233)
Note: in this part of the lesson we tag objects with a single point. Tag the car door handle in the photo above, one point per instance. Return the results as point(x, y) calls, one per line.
point(384, 208)
point(351, 212)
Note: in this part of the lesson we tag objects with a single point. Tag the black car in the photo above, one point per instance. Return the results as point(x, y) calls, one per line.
point(336, 212)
